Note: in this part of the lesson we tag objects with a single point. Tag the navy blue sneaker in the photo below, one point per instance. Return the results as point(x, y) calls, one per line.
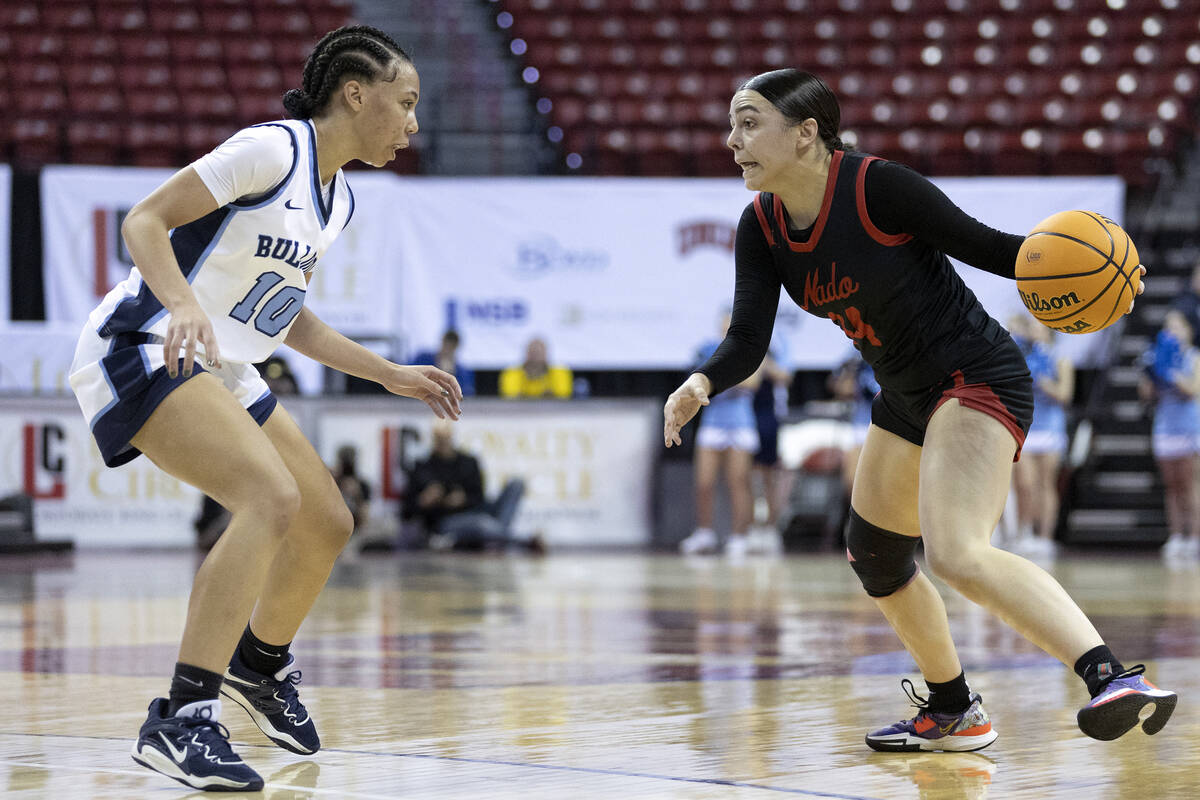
point(274, 704)
point(193, 748)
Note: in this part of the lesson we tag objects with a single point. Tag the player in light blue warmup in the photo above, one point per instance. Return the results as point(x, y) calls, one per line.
point(1173, 382)
point(1036, 474)
point(223, 252)
point(726, 441)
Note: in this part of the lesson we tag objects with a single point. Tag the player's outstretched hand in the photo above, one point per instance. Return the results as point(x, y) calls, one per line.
point(1141, 286)
point(682, 405)
point(436, 389)
point(188, 327)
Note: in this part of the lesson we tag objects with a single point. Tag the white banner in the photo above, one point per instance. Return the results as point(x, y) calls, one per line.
point(615, 273)
point(50, 455)
point(587, 466)
point(5, 242)
point(82, 252)
point(633, 273)
point(35, 357)
point(354, 287)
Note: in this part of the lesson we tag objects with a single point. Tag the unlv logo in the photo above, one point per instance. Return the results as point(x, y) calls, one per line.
point(45, 466)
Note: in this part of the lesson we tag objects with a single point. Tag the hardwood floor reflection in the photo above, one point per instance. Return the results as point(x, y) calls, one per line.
point(581, 676)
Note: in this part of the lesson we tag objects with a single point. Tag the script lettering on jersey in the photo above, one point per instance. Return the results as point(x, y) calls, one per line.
point(289, 251)
point(818, 294)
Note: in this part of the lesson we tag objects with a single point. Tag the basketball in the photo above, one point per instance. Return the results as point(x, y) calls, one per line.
point(1077, 272)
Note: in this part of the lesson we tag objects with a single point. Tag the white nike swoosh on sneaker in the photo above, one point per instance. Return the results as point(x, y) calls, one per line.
point(178, 756)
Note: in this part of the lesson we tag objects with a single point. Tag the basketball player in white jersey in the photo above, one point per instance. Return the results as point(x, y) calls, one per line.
point(223, 252)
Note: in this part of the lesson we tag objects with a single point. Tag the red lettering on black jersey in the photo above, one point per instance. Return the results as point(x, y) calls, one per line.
point(854, 326)
point(818, 294)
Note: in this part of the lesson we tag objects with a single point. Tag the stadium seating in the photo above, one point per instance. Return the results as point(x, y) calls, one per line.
point(643, 86)
point(152, 82)
point(953, 86)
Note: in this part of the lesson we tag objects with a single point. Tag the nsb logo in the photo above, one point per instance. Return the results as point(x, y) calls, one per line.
point(44, 464)
point(486, 311)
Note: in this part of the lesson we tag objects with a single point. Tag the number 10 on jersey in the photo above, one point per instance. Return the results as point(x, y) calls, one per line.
point(279, 309)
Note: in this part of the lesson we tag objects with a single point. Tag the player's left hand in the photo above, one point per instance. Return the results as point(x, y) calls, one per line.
point(1141, 286)
point(437, 389)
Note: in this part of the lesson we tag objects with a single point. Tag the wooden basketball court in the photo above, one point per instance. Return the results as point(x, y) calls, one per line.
point(589, 676)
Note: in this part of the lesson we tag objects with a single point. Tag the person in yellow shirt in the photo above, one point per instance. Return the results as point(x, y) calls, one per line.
point(536, 378)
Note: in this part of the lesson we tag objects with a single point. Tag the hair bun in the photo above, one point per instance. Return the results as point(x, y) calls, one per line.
point(297, 104)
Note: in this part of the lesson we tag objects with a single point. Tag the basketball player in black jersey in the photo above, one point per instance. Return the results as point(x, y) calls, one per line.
point(864, 242)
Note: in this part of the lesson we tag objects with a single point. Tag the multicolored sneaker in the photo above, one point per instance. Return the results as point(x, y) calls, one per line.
point(193, 748)
point(1118, 707)
point(933, 730)
point(273, 702)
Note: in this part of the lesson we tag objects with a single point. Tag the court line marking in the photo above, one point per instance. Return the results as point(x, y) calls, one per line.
point(459, 759)
point(617, 772)
point(146, 773)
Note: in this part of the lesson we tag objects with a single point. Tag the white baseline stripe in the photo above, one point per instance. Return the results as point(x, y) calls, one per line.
point(145, 773)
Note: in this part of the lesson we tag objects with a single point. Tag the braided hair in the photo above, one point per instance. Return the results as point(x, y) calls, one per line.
point(799, 96)
point(352, 51)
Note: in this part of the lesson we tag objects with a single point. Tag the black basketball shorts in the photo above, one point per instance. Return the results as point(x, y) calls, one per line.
point(998, 385)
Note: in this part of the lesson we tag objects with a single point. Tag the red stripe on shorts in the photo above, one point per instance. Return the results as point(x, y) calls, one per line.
point(980, 397)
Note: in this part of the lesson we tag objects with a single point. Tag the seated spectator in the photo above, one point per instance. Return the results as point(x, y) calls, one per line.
point(354, 489)
point(445, 358)
point(445, 495)
point(278, 376)
point(536, 377)
point(210, 523)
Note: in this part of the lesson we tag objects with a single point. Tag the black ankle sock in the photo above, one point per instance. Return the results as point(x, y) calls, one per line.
point(950, 697)
point(1097, 667)
point(191, 684)
point(263, 658)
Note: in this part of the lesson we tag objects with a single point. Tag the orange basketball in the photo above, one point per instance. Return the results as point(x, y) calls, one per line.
point(1077, 272)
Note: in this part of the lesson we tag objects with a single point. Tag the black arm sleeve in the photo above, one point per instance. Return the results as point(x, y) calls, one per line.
point(899, 200)
point(755, 301)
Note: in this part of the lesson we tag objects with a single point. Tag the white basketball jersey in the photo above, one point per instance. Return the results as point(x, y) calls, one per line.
point(246, 261)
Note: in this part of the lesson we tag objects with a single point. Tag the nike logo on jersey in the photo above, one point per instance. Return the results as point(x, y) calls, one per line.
point(289, 251)
point(288, 204)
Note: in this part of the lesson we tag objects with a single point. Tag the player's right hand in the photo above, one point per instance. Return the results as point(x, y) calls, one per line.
point(681, 406)
point(188, 327)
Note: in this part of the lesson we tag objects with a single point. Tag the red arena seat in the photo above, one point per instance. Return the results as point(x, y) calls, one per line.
point(93, 142)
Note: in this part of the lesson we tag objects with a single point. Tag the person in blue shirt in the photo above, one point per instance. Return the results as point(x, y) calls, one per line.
point(1172, 382)
point(1036, 474)
point(726, 441)
point(445, 358)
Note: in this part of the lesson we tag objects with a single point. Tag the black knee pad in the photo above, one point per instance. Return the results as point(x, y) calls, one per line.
point(882, 559)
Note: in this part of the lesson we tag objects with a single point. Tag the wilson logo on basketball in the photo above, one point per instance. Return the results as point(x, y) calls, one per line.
point(1036, 303)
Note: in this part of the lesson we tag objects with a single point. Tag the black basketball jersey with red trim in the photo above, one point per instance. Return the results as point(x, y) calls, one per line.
point(898, 299)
